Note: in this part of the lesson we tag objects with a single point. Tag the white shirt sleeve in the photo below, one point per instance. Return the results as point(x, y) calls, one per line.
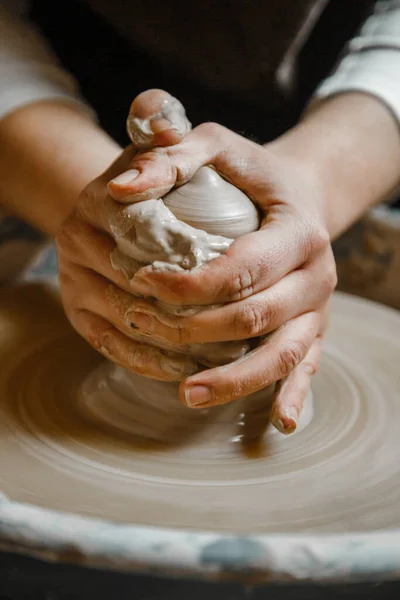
point(29, 71)
point(371, 62)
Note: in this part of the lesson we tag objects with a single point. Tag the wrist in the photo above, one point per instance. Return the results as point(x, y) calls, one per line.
point(310, 179)
point(352, 144)
point(49, 152)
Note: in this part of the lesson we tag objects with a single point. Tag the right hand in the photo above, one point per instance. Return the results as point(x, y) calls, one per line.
point(95, 296)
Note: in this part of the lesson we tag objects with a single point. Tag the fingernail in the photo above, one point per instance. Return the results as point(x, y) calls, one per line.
point(126, 177)
point(143, 287)
point(197, 395)
point(143, 322)
point(285, 421)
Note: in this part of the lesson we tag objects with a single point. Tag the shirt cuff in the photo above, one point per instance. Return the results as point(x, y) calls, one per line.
point(375, 72)
point(372, 62)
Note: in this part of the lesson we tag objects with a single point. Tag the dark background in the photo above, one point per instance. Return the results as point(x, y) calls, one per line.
point(28, 579)
point(104, 62)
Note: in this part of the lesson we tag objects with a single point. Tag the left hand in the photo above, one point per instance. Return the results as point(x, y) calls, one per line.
point(275, 281)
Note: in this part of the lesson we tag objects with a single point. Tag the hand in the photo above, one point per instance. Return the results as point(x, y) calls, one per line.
point(95, 296)
point(275, 282)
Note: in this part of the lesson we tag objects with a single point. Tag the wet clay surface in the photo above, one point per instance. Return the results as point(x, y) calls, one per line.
point(338, 472)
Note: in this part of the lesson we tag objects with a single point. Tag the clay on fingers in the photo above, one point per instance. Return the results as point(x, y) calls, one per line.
point(156, 119)
point(192, 225)
point(181, 232)
point(208, 201)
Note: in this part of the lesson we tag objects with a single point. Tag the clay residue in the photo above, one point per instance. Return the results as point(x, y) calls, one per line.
point(141, 132)
point(148, 233)
point(183, 231)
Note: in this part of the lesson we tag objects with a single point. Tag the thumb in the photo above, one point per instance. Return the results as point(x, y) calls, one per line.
point(156, 119)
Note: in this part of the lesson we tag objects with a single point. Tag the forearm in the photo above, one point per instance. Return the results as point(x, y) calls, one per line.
point(49, 151)
point(353, 142)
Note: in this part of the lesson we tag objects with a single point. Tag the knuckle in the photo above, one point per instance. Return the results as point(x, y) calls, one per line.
point(243, 284)
point(210, 129)
point(177, 334)
point(290, 356)
point(332, 277)
point(251, 320)
point(179, 170)
point(310, 367)
point(329, 280)
point(140, 360)
point(183, 336)
point(161, 162)
point(319, 238)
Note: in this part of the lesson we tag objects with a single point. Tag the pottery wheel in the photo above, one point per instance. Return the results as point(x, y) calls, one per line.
point(339, 472)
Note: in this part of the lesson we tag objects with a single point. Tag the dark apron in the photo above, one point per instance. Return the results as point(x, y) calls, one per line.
point(111, 70)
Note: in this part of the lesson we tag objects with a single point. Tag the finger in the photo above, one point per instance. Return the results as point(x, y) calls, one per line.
point(292, 391)
point(94, 203)
point(165, 118)
point(156, 119)
point(83, 289)
point(134, 356)
point(264, 312)
point(156, 172)
point(251, 264)
point(234, 157)
point(270, 362)
point(79, 243)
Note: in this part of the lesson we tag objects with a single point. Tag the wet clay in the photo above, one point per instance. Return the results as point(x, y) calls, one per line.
point(149, 233)
point(141, 131)
point(190, 226)
point(82, 436)
point(210, 203)
point(338, 473)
